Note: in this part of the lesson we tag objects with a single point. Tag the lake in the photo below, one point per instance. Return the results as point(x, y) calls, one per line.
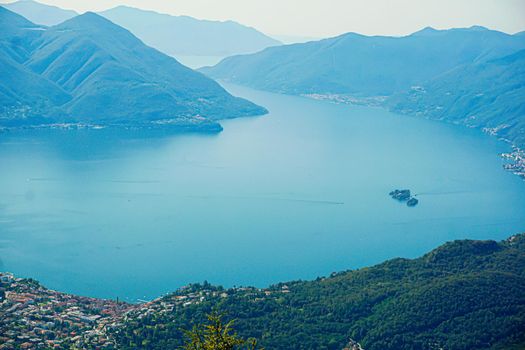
point(195, 62)
point(295, 194)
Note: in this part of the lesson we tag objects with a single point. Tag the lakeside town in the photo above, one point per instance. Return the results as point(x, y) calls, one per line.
point(34, 317)
point(516, 160)
point(372, 101)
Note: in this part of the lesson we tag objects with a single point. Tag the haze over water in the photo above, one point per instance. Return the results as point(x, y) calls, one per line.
point(295, 194)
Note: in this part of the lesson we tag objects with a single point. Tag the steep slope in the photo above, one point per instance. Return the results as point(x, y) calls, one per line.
point(486, 95)
point(23, 94)
point(17, 35)
point(40, 13)
point(106, 68)
point(111, 77)
point(183, 35)
point(462, 295)
point(26, 98)
point(363, 65)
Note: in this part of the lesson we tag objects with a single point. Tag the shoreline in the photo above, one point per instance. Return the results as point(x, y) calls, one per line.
point(34, 316)
point(516, 156)
point(517, 161)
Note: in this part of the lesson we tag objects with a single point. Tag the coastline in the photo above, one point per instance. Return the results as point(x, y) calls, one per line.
point(517, 161)
point(176, 125)
point(515, 157)
point(34, 317)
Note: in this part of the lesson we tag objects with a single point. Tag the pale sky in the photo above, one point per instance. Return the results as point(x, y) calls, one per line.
point(324, 18)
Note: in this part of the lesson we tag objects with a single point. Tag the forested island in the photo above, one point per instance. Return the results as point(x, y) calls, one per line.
point(463, 295)
point(404, 196)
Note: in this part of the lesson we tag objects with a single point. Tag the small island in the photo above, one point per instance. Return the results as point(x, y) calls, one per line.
point(412, 202)
point(404, 196)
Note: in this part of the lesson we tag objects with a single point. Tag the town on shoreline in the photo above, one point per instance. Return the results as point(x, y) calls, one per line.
point(35, 317)
point(516, 160)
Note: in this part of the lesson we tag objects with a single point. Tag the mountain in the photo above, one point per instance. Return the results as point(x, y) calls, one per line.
point(365, 65)
point(23, 93)
point(463, 295)
point(488, 94)
point(40, 13)
point(173, 35)
point(89, 70)
point(471, 76)
point(183, 35)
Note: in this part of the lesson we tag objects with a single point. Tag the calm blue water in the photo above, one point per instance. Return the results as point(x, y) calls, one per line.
point(295, 194)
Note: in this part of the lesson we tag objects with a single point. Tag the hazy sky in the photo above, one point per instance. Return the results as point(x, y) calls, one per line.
point(322, 18)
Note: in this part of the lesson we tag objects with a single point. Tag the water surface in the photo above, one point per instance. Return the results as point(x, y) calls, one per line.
point(295, 194)
point(196, 62)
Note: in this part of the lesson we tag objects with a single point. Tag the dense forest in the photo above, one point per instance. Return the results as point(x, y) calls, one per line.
point(462, 295)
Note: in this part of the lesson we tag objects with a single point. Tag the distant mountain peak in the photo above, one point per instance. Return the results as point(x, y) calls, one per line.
point(429, 29)
point(92, 22)
point(12, 22)
point(8, 15)
point(130, 9)
point(180, 35)
point(40, 13)
point(89, 17)
point(365, 65)
point(90, 70)
point(478, 28)
point(426, 31)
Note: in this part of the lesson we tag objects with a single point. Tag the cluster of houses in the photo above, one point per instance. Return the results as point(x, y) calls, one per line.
point(517, 162)
point(373, 101)
point(196, 294)
point(34, 317)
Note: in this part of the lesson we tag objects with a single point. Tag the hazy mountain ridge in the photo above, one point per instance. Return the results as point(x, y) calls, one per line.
point(364, 65)
point(40, 13)
point(102, 74)
point(173, 35)
point(436, 73)
point(186, 35)
point(486, 95)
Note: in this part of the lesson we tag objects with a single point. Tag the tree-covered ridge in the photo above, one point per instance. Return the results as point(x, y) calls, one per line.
point(89, 71)
point(469, 76)
point(365, 65)
point(462, 295)
point(487, 95)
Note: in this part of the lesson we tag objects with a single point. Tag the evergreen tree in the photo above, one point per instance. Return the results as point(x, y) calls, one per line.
point(217, 335)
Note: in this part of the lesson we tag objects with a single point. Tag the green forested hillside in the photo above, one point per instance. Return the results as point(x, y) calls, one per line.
point(486, 95)
point(462, 295)
point(471, 76)
point(364, 65)
point(89, 70)
point(173, 35)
